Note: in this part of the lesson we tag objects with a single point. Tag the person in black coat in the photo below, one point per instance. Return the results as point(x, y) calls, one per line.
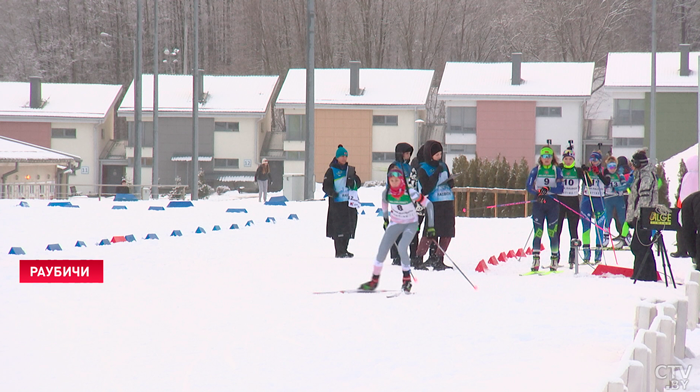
point(341, 221)
point(435, 183)
point(123, 188)
point(690, 225)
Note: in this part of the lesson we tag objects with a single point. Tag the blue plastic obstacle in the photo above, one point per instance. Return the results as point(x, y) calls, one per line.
point(293, 216)
point(80, 244)
point(233, 227)
point(176, 233)
point(130, 238)
point(23, 204)
point(105, 242)
point(270, 220)
point(368, 204)
point(243, 210)
point(180, 204)
point(277, 201)
point(59, 204)
point(216, 228)
point(119, 207)
point(125, 197)
point(200, 230)
point(156, 208)
point(379, 210)
point(53, 247)
point(151, 236)
point(16, 250)
point(250, 223)
point(363, 212)
point(73, 206)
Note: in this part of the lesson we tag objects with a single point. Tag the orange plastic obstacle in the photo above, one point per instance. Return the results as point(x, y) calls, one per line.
point(541, 247)
point(511, 254)
point(502, 257)
point(520, 253)
point(481, 267)
point(493, 261)
point(528, 251)
point(603, 269)
point(119, 238)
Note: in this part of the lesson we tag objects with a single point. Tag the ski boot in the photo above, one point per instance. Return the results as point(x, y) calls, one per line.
point(554, 263)
point(406, 282)
point(428, 263)
point(371, 285)
point(416, 261)
point(535, 261)
point(586, 254)
point(439, 264)
point(598, 254)
point(396, 261)
point(572, 258)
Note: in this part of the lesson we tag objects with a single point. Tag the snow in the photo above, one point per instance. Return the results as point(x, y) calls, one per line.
point(15, 150)
point(672, 165)
point(235, 309)
point(634, 70)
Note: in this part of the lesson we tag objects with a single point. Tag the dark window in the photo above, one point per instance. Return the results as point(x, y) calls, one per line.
point(548, 112)
point(629, 112)
point(226, 127)
point(461, 148)
point(296, 127)
point(385, 120)
point(145, 162)
point(383, 156)
point(226, 163)
point(461, 120)
point(295, 155)
point(63, 133)
point(628, 142)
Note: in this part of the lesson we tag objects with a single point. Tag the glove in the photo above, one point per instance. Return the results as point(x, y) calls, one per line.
point(439, 169)
point(584, 168)
point(541, 194)
point(386, 223)
point(595, 169)
point(335, 195)
point(430, 232)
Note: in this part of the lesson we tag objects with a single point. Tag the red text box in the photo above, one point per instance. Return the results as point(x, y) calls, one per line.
point(61, 271)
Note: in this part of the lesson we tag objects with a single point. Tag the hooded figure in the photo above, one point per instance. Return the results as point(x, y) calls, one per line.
point(644, 192)
point(341, 221)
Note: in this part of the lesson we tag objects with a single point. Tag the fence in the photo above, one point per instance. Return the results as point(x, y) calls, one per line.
point(49, 190)
point(471, 201)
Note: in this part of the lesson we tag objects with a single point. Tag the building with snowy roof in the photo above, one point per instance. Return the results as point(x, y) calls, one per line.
point(368, 111)
point(235, 118)
point(76, 119)
point(511, 109)
point(628, 82)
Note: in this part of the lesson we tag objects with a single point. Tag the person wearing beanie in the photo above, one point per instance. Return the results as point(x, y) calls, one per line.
point(413, 183)
point(569, 196)
point(545, 181)
point(402, 153)
point(593, 207)
point(615, 206)
point(341, 221)
point(435, 183)
point(400, 218)
point(644, 192)
point(624, 170)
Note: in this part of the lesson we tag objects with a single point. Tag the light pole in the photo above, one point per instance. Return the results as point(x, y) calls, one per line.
point(171, 58)
point(138, 123)
point(154, 165)
point(309, 182)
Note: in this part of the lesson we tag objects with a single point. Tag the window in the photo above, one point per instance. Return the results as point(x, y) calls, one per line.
point(629, 112)
point(383, 157)
point(295, 155)
point(145, 162)
point(461, 148)
point(226, 127)
point(548, 112)
point(385, 120)
point(63, 133)
point(461, 120)
point(628, 142)
point(556, 148)
point(226, 163)
point(296, 127)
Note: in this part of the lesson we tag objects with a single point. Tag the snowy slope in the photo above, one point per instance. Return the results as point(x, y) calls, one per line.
point(234, 310)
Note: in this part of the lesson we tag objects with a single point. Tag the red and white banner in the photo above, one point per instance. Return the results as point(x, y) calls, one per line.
point(61, 271)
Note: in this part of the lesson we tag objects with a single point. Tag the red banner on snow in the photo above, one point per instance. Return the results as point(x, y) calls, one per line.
point(61, 271)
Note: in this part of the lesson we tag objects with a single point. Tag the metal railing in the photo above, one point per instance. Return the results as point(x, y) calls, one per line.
point(477, 202)
point(49, 191)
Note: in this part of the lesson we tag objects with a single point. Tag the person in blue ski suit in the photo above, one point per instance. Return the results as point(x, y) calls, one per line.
point(592, 206)
point(341, 220)
point(545, 180)
point(614, 197)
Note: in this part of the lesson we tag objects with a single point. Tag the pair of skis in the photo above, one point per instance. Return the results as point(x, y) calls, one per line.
point(388, 293)
point(544, 271)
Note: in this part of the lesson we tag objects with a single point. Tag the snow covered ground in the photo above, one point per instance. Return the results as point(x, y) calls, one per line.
point(234, 310)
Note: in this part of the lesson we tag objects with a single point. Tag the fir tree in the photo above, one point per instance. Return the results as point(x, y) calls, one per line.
point(663, 185)
point(203, 189)
point(682, 170)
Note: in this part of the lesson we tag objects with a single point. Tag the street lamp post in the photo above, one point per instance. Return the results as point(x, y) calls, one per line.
point(171, 58)
point(154, 165)
point(138, 122)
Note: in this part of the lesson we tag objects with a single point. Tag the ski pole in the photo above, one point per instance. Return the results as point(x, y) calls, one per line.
point(455, 264)
point(527, 240)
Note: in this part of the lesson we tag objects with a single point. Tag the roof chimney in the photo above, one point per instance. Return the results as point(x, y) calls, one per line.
point(516, 59)
point(685, 54)
point(35, 92)
point(355, 78)
point(200, 86)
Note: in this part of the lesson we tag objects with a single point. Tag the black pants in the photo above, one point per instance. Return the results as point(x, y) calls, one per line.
point(688, 236)
point(574, 203)
point(341, 245)
point(644, 261)
point(413, 247)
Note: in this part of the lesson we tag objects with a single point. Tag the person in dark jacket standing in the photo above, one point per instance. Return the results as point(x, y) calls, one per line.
point(262, 176)
point(402, 157)
point(123, 188)
point(341, 221)
point(644, 192)
point(690, 226)
point(436, 184)
point(413, 182)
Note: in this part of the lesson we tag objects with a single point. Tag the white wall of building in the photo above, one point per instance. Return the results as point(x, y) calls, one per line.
point(561, 129)
point(240, 145)
point(87, 145)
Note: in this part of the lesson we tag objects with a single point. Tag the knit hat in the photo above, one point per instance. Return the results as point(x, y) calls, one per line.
point(639, 159)
point(569, 152)
point(341, 151)
point(402, 148)
point(546, 150)
point(435, 148)
point(596, 155)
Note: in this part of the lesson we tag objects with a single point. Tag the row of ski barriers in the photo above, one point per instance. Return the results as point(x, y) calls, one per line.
point(654, 360)
point(16, 250)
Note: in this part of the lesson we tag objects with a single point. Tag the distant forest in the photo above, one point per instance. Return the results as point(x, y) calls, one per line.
point(61, 40)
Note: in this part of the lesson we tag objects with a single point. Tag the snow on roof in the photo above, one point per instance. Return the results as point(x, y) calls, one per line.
point(398, 87)
point(64, 100)
point(12, 150)
point(237, 178)
point(226, 94)
point(188, 158)
point(634, 70)
point(494, 79)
